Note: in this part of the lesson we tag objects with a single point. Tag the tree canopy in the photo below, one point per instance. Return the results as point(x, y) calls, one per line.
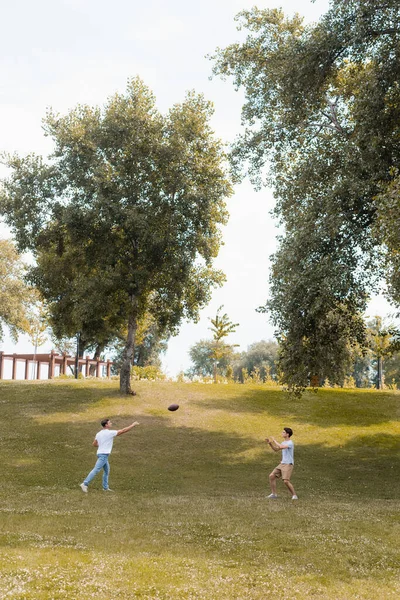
point(123, 218)
point(322, 111)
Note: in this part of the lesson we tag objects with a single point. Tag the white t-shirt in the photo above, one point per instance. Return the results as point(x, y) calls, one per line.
point(105, 438)
point(288, 453)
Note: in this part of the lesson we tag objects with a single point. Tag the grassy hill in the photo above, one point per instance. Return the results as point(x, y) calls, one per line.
point(189, 518)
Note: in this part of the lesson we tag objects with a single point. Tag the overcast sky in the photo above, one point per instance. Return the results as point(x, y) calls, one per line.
point(60, 53)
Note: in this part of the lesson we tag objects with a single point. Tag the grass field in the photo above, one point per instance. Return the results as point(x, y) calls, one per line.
point(189, 518)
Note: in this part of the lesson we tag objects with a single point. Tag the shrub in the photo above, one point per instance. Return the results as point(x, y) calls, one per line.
point(151, 372)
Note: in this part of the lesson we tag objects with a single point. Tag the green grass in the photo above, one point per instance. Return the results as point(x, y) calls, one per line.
point(189, 518)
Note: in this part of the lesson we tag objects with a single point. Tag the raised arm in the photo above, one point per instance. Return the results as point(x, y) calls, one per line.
point(279, 446)
point(273, 443)
point(126, 429)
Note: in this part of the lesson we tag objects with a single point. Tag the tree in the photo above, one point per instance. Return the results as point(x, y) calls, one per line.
point(202, 355)
point(81, 304)
point(380, 339)
point(222, 326)
point(361, 369)
point(149, 344)
point(322, 109)
point(124, 217)
point(261, 356)
point(38, 325)
point(387, 233)
point(392, 370)
point(16, 297)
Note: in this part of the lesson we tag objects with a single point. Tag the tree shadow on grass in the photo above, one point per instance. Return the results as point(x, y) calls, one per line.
point(52, 397)
point(172, 483)
point(367, 467)
point(154, 457)
point(326, 408)
point(161, 459)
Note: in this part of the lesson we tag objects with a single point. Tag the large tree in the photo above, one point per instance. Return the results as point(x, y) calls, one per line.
point(322, 111)
point(124, 216)
point(387, 231)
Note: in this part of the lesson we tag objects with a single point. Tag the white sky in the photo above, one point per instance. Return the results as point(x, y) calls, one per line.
point(60, 53)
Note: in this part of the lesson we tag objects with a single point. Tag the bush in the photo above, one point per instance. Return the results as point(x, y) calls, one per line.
point(349, 382)
point(151, 372)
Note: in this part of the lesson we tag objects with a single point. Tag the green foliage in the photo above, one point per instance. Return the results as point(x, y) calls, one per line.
point(379, 336)
point(150, 372)
point(38, 325)
point(17, 299)
point(213, 357)
point(229, 373)
point(149, 345)
point(64, 345)
point(362, 369)
point(322, 109)
point(244, 375)
point(387, 232)
point(124, 218)
point(222, 326)
point(203, 357)
point(259, 359)
point(392, 371)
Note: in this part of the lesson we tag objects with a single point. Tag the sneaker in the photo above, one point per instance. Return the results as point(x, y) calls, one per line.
point(294, 497)
point(107, 490)
point(83, 487)
point(272, 496)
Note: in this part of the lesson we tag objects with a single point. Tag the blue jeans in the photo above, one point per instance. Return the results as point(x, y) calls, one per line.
point(102, 463)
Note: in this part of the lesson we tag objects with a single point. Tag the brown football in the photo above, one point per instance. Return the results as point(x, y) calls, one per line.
point(173, 407)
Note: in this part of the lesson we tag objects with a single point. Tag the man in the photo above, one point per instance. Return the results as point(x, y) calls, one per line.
point(104, 442)
point(285, 468)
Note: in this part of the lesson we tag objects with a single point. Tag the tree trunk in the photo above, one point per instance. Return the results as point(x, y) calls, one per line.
point(80, 349)
point(379, 383)
point(96, 356)
point(129, 351)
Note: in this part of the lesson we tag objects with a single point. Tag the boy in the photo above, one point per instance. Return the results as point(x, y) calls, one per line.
point(285, 468)
point(104, 442)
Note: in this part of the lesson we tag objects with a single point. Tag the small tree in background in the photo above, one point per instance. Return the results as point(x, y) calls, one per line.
point(380, 341)
point(222, 326)
point(259, 360)
point(392, 370)
point(38, 329)
point(361, 371)
point(202, 355)
point(16, 297)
